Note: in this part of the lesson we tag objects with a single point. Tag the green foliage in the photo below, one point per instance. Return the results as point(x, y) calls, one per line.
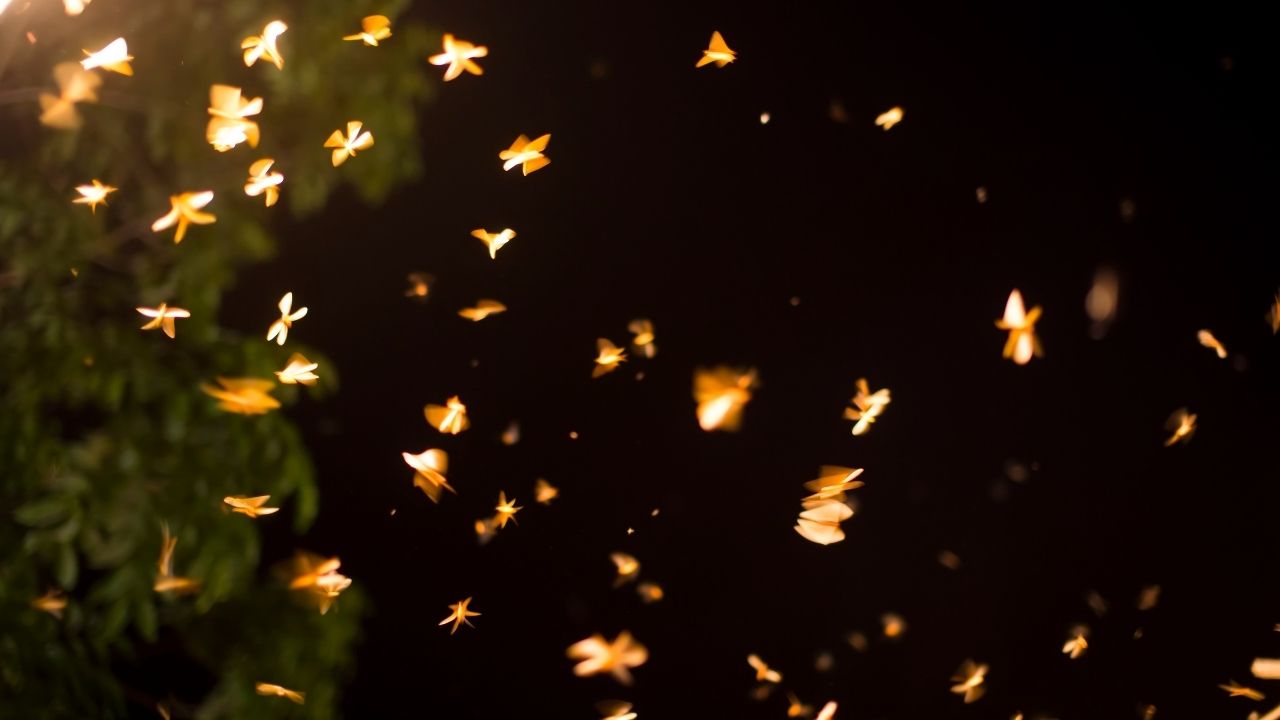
point(104, 431)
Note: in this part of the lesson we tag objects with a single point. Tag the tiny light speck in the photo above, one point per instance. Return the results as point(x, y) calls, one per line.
point(573, 434)
point(981, 194)
point(795, 301)
point(764, 118)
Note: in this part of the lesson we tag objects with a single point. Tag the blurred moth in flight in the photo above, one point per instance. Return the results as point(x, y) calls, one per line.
point(93, 194)
point(833, 482)
point(494, 241)
point(616, 710)
point(459, 55)
point(228, 126)
point(243, 396)
point(1101, 301)
point(544, 492)
point(1021, 324)
point(264, 182)
point(419, 285)
point(166, 581)
point(163, 317)
point(319, 578)
point(459, 615)
point(889, 118)
point(75, 85)
point(721, 393)
point(1235, 689)
point(270, 690)
point(867, 406)
point(356, 139)
point(797, 709)
point(628, 568)
point(650, 592)
point(52, 602)
point(828, 711)
point(1182, 424)
point(485, 529)
point(373, 28)
point(1266, 668)
point(429, 468)
point(114, 57)
point(717, 52)
point(1207, 339)
point(483, 309)
point(820, 520)
point(279, 330)
point(1077, 642)
point(264, 46)
point(642, 329)
point(184, 210)
point(617, 657)
point(893, 626)
point(249, 506)
point(299, 371)
point(607, 358)
point(764, 673)
point(505, 510)
point(526, 153)
point(450, 418)
point(969, 679)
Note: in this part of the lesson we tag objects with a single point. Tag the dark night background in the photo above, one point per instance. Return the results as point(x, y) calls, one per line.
point(668, 199)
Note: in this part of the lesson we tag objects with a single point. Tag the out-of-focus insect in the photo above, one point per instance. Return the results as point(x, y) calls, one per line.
point(450, 418)
point(617, 657)
point(265, 45)
point(717, 52)
point(459, 615)
point(1077, 642)
point(608, 357)
point(1021, 324)
point(1207, 339)
point(720, 394)
point(889, 118)
point(867, 406)
point(616, 710)
point(166, 581)
point(505, 510)
point(264, 182)
point(642, 329)
point(52, 602)
point(243, 396)
point(299, 371)
point(969, 681)
point(93, 194)
point(184, 210)
point(764, 673)
point(271, 690)
point(544, 492)
point(526, 153)
point(357, 139)
point(494, 241)
point(820, 521)
point(1235, 689)
point(279, 330)
point(114, 57)
point(459, 55)
point(228, 125)
point(163, 317)
point(249, 506)
point(628, 568)
point(75, 85)
point(429, 468)
point(373, 28)
point(419, 285)
point(1182, 424)
point(483, 309)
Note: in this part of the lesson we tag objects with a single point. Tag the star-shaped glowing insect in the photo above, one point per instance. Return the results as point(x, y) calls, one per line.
point(450, 418)
point(968, 681)
point(650, 592)
point(243, 396)
point(184, 210)
point(820, 520)
point(163, 317)
point(616, 710)
point(346, 147)
point(166, 581)
point(764, 673)
point(526, 153)
point(1235, 689)
point(1077, 642)
point(833, 482)
point(459, 615)
point(608, 357)
point(544, 492)
point(93, 194)
point(75, 85)
point(1022, 343)
point(1207, 339)
point(429, 467)
point(828, 711)
point(419, 285)
point(114, 57)
point(628, 568)
point(264, 182)
point(717, 52)
point(721, 393)
point(279, 329)
point(459, 55)
point(867, 406)
point(505, 510)
point(265, 46)
point(642, 329)
point(319, 578)
point(1182, 424)
point(889, 118)
point(483, 309)
point(52, 602)
point(797, 709)
point(373, 28)
point(228, 126)
point(249, 506)
point(271, 690)
point(299, 371)
point(598, 655)
point(494, 241)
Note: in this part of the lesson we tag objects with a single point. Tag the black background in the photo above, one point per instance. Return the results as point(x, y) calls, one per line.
point(668, 199)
